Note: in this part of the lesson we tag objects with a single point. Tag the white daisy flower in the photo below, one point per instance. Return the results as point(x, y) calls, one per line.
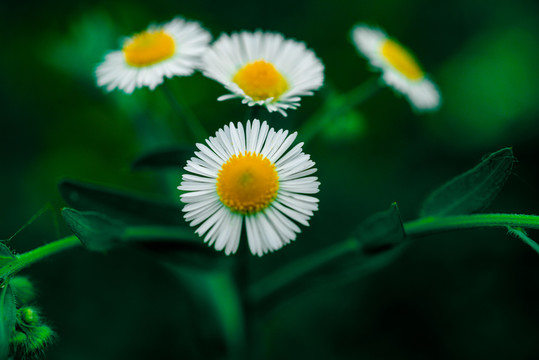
point(171, 49)
point(249, 176)
point(263, 68)
point(400, 69)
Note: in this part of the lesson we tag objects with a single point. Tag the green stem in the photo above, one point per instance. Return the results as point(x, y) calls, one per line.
point(521, 234)
point(24, 260)
point(185, 113)
point(297, 271)
point(345, 103)
point(360, 94)
point(243, 278)
point(433, 225)
point(253, 112)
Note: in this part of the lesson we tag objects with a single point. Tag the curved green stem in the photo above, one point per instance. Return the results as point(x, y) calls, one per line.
point(521, 234)
point(433, 225)
point(24, 260)
point(296, 271)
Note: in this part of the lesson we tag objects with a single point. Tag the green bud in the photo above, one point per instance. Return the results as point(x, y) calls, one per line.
point(19, 339)
point(23, 289)
point(28, 316)
point(39, 338)
point(32, 341)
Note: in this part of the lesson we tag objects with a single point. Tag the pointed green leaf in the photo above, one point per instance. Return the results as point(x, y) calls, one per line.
point(174, 158)
point(7, 318)
point(381, 231)
point(6, 255)
point(96, 231)
point(175, 244)
point(23, 289)
point(473, 190)
point(129, 208)
point(374, 245)
point(338, 265)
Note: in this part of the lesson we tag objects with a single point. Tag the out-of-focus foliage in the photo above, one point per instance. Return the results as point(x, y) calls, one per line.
point(468, 295)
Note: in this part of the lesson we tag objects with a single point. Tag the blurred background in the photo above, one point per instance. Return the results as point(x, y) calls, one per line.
point(464, 295)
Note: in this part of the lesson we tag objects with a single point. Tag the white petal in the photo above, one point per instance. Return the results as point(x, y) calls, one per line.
point(191, 40)
point(301, 68)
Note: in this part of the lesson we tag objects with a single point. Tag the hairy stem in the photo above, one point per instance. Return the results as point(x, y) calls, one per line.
point(299, 269)
point(521, 234)
point(433, 225)
point(24, 260)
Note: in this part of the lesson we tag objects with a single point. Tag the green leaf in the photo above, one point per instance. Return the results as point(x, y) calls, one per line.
point(96, 231)
point(174, 158)
point(174, 244)
point(381, 231)
point(7, 318)
point(129, 208)
point(6, 255)
point(473, 190)
point(377, 242)
point(23, 289)
point(338, 265)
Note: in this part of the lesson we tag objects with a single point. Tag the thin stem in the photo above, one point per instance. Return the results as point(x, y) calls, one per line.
point(433, 225)
point(32, 219)
point(243, 277)
point(521, 234)
point(301, 268)
point(361, 93)
point(346, 102)
point(185, 113)
point(24, 260)
point(252, 113)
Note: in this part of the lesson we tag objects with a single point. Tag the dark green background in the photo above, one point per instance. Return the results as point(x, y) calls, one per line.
point(465, 295)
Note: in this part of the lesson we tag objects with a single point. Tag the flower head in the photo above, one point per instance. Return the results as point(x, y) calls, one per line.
point(146, 58)
point(263, 68)
point(399, 67)
point(249, 175)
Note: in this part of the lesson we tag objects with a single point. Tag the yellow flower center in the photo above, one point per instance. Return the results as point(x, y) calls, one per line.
point(401, 59)
point(260, 80)
point(148, 47)
point(247, 183)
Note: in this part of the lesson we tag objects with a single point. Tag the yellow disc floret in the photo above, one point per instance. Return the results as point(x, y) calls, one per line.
point(148, 48)
point(247, 183)
point(401, 60)
point(261, 80)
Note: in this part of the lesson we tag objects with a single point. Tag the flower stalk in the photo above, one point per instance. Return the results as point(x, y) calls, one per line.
point(24, 260)
point(299, 269)
point(433, 225)
point(340, 106)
